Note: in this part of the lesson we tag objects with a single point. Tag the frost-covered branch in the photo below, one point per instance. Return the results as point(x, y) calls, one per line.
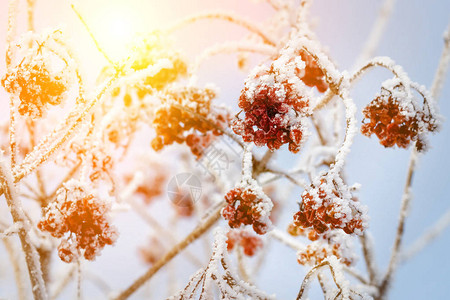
point(195, 234)
point(229, 17)
point(219, 274)
point(231, 47)
point(31, 255)
point(338, 277)
point(377, 31)
point(442, 69)
point(430, 235)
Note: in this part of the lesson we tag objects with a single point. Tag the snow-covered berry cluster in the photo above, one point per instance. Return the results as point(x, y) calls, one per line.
point(276, 100)
point(187, 115)
point(36, 86)
point(247, 206)
point(395, 122)
point(81, 220)
point(329, 205)
point(249, 242)
point(271, 111)
point(148, 51)
point(333, 243)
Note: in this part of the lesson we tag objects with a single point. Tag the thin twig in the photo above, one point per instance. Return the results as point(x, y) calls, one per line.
point(430, 235)
point(14, 258)
point(63, 282)
point(142, 212)
point(442, 68)
point(226, 16)
point(91, 34)
point(241, 265)
point(195, 234)
point(377, 31)
point(384, 284)
point(369, 258)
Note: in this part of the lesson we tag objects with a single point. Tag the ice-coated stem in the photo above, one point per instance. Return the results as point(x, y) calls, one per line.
point(229, 17)
point(442, 68)
point(377, 31)
point(31, 255)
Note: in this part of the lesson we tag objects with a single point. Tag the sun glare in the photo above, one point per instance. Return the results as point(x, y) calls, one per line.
point(116, 27)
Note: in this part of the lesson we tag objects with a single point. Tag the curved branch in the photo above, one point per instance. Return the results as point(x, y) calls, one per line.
point(230, 47)
point(225, 16)
point(307, 280)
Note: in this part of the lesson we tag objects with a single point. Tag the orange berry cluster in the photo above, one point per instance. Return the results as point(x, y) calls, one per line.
point(147, 52)
point(188, 116)
point(393, 125)
point(36, 86)
point(81, 220)
point(249, 242)
point(323, 246)
point(244, 209)
point(324, 208)
point(316, 253)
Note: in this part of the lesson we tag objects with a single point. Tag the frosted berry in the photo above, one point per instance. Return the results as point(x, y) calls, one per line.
point(81, 220)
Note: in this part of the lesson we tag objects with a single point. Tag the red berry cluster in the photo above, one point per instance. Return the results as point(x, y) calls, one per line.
point(188, 116)
point(246, 207)
point(324, 208)
point(272, 107)
point(312, 75)
point(81, 220)
point(153, 251)
point(249, 242)
point(36, 86)
point(393, 125)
